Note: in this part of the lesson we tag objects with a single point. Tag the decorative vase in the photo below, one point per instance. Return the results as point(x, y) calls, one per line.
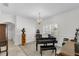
point(23, 37)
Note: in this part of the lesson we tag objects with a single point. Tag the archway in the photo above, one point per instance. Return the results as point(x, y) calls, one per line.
point(11, 31)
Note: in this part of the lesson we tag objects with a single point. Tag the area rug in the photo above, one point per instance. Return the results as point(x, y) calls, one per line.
point(30, 50)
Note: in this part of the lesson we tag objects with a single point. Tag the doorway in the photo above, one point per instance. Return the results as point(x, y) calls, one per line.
point(2, 32)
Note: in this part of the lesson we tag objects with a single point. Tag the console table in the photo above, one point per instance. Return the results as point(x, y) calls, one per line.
point(4, 43)
point(3, 38)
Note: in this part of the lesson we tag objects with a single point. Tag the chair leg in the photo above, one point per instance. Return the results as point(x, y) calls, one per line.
point(7, 50)
point(6, 53)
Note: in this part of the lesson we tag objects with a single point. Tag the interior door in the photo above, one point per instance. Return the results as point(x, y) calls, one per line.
point(2, 32)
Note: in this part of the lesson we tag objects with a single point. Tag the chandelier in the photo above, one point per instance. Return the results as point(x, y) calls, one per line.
point(39, 20)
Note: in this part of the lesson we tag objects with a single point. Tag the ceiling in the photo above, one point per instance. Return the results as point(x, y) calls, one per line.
point(31, 10)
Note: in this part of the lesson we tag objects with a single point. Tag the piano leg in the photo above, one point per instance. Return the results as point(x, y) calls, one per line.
point(40, 51)
point(55, 51)
point(36, 47)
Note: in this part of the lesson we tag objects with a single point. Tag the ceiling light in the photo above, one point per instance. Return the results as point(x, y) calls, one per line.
point(39, 20)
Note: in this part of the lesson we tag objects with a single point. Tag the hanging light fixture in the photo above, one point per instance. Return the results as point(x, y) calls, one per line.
point(39, 20)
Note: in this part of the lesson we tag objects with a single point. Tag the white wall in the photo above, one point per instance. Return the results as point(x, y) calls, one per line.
point(10, 21)
point(11, 31)
point(29, 26)
point(67, 23)
point(4, 17)
point(15, 25)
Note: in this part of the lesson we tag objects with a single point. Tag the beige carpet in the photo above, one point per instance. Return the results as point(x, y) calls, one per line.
point(30, 50)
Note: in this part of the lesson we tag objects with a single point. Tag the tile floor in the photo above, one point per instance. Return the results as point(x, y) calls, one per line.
point(13, 50)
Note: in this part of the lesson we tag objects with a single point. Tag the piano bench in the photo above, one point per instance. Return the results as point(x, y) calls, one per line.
point(47, 47)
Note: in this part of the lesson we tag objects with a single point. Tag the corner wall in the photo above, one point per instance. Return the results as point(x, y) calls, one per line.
point(67, 24)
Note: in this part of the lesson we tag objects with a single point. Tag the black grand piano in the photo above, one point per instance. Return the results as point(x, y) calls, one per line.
point(45, 40)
